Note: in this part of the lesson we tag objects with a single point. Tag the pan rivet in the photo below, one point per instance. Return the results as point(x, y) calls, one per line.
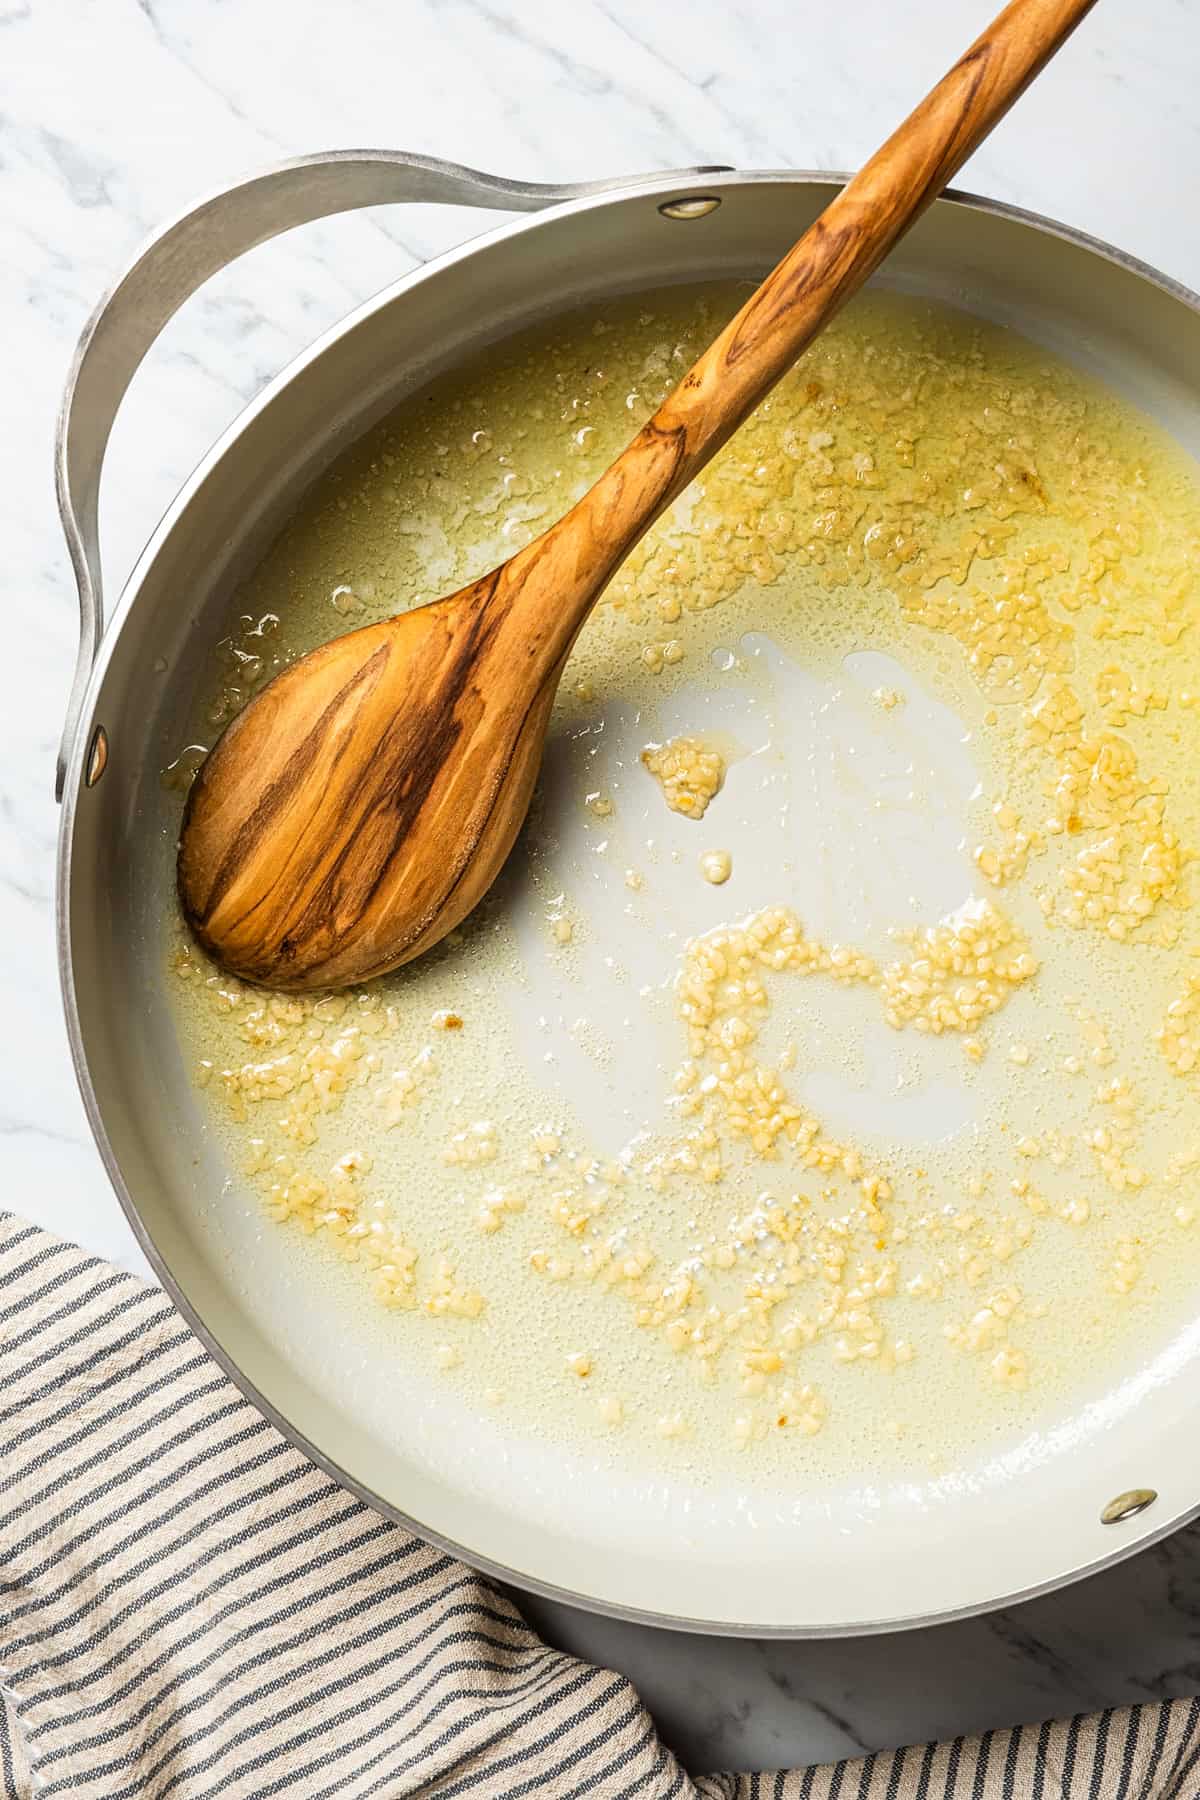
point(697, 208)
point(1127, 1506)
point(97, 759)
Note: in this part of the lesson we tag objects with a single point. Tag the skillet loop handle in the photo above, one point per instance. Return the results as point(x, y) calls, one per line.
point(176, 261)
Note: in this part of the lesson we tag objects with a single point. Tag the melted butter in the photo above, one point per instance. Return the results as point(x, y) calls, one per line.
point(884, 1147)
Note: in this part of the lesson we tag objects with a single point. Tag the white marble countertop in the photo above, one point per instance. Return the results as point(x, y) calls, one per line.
point(114, 113)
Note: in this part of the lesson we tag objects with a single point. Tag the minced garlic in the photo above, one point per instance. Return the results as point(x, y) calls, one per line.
point(716, 866)
point(689, 772)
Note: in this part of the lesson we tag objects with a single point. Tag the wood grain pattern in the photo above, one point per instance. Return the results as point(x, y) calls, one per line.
point(365, 800)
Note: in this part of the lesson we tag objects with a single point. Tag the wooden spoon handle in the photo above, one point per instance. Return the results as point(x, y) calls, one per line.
point(829, 264)
point(857, 230)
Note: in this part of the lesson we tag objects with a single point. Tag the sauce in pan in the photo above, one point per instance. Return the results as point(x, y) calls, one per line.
point(817, 1086)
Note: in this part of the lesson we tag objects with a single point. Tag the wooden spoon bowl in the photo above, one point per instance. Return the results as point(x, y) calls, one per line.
point(366, 799)
point(364, 802)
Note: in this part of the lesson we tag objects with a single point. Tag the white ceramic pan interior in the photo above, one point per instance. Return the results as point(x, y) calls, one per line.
point(873, 1554)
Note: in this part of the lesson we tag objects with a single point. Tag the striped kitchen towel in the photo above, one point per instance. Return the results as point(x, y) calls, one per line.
point(190, 1609)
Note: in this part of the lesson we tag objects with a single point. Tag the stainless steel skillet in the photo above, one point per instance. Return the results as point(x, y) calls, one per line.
point(1117, 1474)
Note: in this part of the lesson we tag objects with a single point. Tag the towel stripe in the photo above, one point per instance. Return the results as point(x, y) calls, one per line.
point(231, 1509)
point(1162, 1729)
point(18, 1340)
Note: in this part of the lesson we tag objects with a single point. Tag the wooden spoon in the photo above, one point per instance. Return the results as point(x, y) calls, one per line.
point(365, 800)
